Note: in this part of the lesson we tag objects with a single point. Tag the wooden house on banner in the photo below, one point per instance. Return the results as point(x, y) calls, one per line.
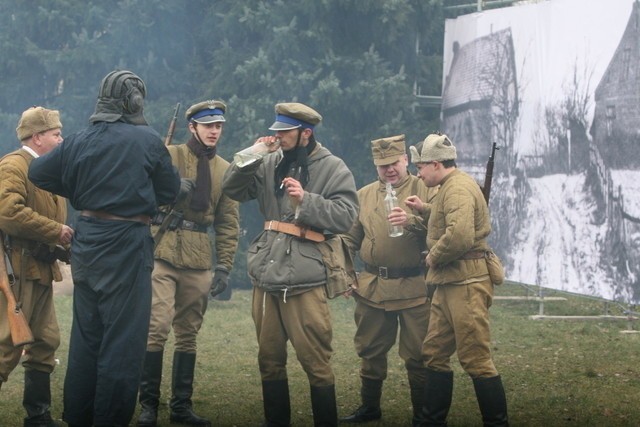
point(480, 96)
point(616, 123)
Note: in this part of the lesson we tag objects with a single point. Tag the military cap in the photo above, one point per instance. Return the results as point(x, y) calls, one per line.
point(293, 115)
point(210, 111)
point(435, 147)
point(36, 120)
point(388, 150)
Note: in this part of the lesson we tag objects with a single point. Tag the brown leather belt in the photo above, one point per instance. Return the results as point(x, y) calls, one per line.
point(294, 230)
point(144, 219)
point(393, 273)
point(473, 255)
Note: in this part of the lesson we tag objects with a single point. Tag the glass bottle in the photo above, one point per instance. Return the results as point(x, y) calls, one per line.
point(390, 202)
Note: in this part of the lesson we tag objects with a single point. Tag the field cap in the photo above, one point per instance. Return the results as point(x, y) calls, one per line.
point(293, 115)
point(206, 112)
point(436, 147)
point(386, 151)
point(35, 120)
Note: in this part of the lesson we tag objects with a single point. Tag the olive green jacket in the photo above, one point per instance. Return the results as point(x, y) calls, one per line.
point(29, 215)
point(192, 249)
point(459, 223)
point(369, 236)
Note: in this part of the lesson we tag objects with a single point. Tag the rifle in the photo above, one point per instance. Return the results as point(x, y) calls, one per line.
point(488, 176)
point(172, 126)
point(20, 331)
point(173, 218)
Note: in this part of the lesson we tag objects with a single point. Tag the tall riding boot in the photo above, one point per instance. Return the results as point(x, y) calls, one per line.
point(182, 390)
point(417, 398)
point(149, 396)
point(370, 393)
point(492, 401)
point(277, 404)
point(37, 399)
point(324, 407)
point(438, 391)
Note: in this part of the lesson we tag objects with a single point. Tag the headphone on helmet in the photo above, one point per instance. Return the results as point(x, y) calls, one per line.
point(127, 86)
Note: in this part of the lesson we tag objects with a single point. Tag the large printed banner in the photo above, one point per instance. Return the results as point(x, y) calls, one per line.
point(557, 86)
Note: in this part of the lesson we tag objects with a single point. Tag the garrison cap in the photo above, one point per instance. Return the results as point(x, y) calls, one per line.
point(210, 111)
point(293, 115)
point(436, 147)
point(36, 120)
point(388, 150)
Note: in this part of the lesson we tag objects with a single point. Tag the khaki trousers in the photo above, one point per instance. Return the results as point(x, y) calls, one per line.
point(179, 300)
point(305, 320)
point(460, 322)
point(376, 333)
point(39, 310)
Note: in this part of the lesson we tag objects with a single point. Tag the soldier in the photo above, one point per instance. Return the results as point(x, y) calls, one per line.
point(182, 276)
point(303, 192)
point(114, 172)
point(457, 232)
point(391, 292)
point(33, 224)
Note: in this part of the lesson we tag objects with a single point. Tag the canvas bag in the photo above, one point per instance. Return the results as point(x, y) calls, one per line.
point(341, 274)
point(495, 267)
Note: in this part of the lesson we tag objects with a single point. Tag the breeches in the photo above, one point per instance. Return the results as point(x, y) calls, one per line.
point(39, 311)
point(376, 333)
point(460, 322)
point(305, 320)
point(179, 299)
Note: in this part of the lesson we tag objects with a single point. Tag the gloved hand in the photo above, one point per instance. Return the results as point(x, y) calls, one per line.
point(186, 187)
point(219, 281)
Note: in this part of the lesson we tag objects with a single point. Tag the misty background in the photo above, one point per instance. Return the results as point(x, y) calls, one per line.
point(359, 63)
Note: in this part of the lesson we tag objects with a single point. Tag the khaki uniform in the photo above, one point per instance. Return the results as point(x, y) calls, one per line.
point(183, 259)
point(29, 216)
point(384, 304)
point(459, 224)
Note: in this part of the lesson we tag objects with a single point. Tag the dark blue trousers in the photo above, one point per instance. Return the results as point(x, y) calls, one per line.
point(111, 267)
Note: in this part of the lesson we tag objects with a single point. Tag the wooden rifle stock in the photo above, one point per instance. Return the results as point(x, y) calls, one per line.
point(488, 176)
point(172, 126)
point(20, 331)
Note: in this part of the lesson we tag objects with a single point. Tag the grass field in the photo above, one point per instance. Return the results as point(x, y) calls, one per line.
point(555, 372)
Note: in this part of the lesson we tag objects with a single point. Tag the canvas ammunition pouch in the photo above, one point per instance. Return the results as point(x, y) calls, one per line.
point(341, 274)
point(495, 267)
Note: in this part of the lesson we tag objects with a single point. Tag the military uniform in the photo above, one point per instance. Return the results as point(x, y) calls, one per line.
point(183, 270)
point(458, 227)
point(32, 220)
point(284, 263)
point(114, 172)
point(391, 291)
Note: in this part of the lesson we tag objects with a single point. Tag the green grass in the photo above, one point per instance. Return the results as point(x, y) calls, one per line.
point(555, 372)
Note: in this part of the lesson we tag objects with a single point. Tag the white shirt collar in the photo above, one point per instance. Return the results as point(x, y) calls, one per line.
point(30, 151)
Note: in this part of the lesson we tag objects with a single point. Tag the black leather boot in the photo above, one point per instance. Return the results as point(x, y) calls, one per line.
point(182, 390)
point(492, 401)
point(37, 399)
point(277, 404)
point(438, 391)
point(370, 393)
point(149, 396)
point(417, 398)
point(324, 407)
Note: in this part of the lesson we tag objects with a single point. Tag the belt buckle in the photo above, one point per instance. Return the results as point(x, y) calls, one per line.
point(270, 225)
point(383, 272)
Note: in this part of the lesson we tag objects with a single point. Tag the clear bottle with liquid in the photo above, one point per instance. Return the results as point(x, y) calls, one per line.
point(253, 153)
point(390, 202)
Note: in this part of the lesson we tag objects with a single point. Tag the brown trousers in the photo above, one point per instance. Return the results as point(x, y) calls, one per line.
point(376, 333)
point(460, 322)
point(38, 309)
point(179, 300)
point(305, 320)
